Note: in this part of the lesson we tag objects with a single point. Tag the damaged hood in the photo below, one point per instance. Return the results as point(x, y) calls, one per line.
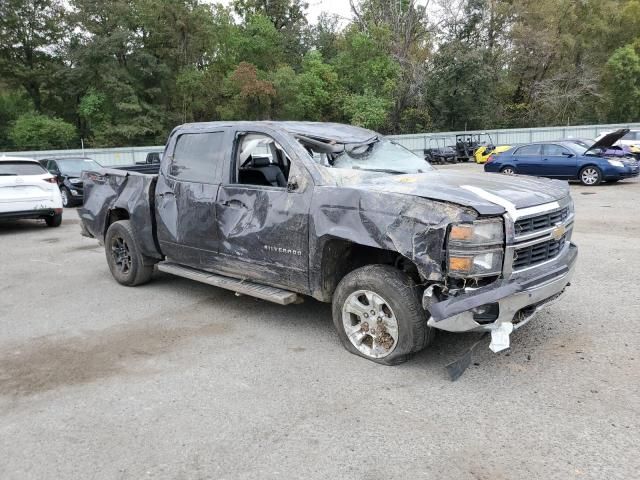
point(475, 190)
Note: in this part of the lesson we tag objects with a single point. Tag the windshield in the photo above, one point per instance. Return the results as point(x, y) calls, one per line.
point(21, 168)
point(74, 166)
point(378, 155)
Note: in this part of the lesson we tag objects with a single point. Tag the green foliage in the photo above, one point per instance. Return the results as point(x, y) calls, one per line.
point(126, 72)
point(34, 131)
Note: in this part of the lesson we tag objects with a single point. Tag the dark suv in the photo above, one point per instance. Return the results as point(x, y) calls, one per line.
point(67, 171)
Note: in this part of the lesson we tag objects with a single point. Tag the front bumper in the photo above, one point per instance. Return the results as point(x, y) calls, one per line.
point(518, 298)
point(617, 173)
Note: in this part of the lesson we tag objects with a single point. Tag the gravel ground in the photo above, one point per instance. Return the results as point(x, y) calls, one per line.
point(180, 380)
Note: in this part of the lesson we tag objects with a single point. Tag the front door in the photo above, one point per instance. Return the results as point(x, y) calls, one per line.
point(263, 213)
point(185, 198)
point(559, 161)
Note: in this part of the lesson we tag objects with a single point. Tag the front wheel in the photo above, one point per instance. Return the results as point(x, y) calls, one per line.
point(590, 176)
point(378, 315)
point(124, 259)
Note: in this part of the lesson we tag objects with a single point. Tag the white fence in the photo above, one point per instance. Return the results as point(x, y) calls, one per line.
point(417, 142)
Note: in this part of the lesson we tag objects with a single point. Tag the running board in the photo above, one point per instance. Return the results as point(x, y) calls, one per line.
point(244, 287)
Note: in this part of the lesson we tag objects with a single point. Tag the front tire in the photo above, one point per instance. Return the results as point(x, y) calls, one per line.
point(123, 256)
point(378, 315)
point(590, 176)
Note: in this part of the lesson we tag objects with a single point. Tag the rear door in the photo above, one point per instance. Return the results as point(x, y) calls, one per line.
point(527, 159)
point(558, 161)
point(185, 196)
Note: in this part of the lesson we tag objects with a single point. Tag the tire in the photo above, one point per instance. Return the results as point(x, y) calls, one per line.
point(54, 220)
point(507, 171)
point(389, 293)
point(123, 256)
point(590, 176)
point(66, 197)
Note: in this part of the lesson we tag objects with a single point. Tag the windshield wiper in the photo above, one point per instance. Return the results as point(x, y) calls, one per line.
point(381, 170)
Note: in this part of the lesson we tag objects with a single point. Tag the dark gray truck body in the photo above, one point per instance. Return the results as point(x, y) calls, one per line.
point(307, 236)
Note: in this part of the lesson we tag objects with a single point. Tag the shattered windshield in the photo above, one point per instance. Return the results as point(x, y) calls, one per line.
point(378, 155)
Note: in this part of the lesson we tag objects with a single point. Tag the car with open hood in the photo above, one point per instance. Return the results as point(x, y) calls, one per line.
point(286, 210)
point(28, 191)
point(567, 160)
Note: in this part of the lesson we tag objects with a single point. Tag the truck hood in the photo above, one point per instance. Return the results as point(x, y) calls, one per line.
point(480, 191)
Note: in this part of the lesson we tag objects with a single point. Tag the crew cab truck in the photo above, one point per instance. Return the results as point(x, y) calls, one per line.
point(283, 210)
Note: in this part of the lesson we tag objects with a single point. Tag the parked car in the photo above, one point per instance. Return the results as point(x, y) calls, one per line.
point(27, 190)
point(566, 160)
point(151, 158)
point(280, 210)
point(67, 171)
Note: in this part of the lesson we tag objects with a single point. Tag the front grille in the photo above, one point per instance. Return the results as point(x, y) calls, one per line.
point(541, 222)
point(538, 253)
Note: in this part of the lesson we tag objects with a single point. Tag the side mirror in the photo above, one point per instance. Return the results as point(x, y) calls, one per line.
point(292, 184)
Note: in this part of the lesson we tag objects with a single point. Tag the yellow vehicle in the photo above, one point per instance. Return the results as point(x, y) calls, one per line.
point(482, 153)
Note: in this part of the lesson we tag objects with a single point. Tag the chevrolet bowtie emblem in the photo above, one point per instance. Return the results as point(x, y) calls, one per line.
point(558, 232)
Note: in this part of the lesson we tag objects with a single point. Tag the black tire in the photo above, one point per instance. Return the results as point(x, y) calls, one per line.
point(508, 170)
point(123, 256)
point(401, 294)
point(54, 220)
point(590, 176)
point(67, 200)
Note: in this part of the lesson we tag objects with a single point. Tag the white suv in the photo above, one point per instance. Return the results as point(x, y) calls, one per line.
point(27, 190)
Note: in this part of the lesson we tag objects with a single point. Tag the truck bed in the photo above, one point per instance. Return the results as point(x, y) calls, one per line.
point(114, 194)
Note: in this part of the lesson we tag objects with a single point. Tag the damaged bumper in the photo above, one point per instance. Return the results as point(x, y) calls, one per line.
point(515, 300)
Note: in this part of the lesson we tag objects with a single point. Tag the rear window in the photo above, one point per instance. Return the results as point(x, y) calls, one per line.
point(529, 150)
point(194, 158)
point(21, 168)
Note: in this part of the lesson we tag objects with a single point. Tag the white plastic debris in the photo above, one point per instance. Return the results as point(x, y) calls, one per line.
point(500, 337)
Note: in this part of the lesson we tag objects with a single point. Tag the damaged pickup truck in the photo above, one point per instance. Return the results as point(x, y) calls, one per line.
point(283, 210)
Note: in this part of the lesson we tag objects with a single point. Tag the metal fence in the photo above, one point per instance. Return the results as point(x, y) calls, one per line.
point(417, 142)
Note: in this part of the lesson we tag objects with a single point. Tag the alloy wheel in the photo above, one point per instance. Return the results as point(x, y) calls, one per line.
point(121, 254)
point(590, 176)
point(370, 323)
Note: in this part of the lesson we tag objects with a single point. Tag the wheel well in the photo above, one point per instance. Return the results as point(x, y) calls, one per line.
point(114, 215)
point(341, 257)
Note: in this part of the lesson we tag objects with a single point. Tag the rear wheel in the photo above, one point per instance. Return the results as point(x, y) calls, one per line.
point(124, 259)
point(508, 171)
point(54, 220)
point(378, 315)
point(590, 176)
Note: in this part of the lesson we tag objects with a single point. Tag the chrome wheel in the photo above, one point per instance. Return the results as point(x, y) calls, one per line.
point(590, 176)
point(507, 171)
point(370, 323)
point(121, 254)
point(65, 197)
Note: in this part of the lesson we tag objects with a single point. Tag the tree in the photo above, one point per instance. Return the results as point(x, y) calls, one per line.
point(622, 84)
point(34, 131)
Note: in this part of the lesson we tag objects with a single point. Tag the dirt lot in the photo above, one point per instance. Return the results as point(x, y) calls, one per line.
point(177, 379)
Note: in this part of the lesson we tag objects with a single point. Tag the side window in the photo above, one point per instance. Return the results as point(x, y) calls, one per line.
point(529, 150)
point(52, 167)
point(194, 157)
point(260, 160)
point(555, 150)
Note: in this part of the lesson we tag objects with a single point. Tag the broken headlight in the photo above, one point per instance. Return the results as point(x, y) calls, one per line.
point(476, 249)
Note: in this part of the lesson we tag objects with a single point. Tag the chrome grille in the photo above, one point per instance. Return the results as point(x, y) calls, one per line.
point(541, 222)
point(540, 252)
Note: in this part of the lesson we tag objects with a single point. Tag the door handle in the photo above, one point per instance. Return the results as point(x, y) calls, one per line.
point(233, 203)
point(166, 193)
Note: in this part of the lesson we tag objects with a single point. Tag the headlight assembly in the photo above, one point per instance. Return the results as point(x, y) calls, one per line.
point(615, 163)
point(476, 249)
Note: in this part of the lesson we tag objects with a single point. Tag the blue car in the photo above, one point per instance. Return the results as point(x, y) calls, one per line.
point(566, 160)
